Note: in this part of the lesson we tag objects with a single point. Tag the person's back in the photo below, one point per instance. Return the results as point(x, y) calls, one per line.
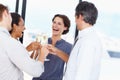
point(86, 53)
point(14, 58)
point(90, 59)
point(7, 67)
point(13, 55)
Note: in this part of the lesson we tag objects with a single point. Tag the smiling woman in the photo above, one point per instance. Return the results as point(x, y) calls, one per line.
point(39, 14)
point(17, 26)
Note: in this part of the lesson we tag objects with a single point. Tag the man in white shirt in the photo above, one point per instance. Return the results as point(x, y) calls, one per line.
point(84, 61)
point(14, 57)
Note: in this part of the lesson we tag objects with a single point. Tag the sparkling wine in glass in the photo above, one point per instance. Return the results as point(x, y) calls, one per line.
point(43, 39)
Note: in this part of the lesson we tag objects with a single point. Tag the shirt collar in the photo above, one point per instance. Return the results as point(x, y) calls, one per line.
point(57, 43)
point(4, 30)
point(85, 32)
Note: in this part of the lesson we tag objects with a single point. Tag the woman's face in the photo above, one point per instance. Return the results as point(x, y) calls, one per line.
point(58, 26)
point(20, 28)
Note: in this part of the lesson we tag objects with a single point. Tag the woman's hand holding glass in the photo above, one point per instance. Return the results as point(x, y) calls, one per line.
point(52, 49)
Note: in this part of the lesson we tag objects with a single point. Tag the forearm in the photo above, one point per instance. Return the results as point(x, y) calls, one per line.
point(62, 55)
point(25, 63)
point(43, 53)
point(41, 58)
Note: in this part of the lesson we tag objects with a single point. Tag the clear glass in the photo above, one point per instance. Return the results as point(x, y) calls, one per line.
point(43, 39)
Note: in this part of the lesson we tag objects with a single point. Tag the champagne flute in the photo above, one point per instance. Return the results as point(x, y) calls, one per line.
point(36, 53)
point(43, 39)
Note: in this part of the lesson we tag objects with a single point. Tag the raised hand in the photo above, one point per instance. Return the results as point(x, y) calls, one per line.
point(33, 46)
point(52, 49)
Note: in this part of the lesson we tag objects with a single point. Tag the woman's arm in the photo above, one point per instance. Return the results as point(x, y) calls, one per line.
point(55, 51)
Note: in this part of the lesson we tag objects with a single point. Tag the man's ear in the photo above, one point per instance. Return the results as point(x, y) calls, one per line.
point(81, 17)
point(5, 14)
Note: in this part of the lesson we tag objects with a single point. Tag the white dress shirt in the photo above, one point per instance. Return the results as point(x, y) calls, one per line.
point(14, 59)
point(84, 61)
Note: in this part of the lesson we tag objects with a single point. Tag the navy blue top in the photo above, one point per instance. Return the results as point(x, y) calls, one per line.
point(54, 68)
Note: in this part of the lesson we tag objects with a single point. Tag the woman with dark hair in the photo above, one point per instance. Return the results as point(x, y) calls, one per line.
point(18, 29)
point(59, 49)
point(17, 26)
